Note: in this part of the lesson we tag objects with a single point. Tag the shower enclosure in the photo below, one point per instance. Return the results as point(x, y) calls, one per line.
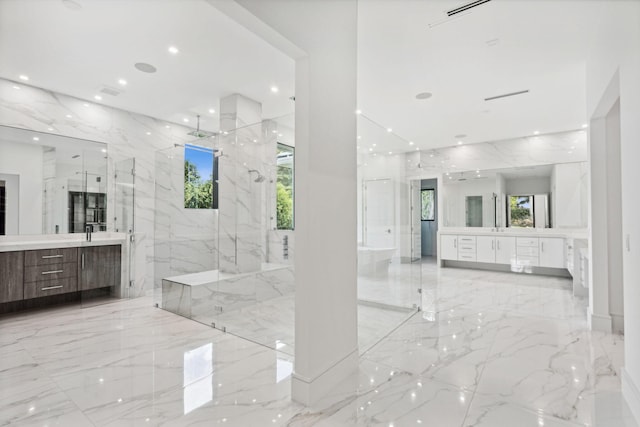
point(225, 243)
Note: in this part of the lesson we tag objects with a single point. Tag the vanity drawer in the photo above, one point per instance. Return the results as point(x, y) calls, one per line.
point(467, 240)
point(45, 288)
point(524, 260)
point(50, 272)
point(470, 256)
point(527, 241)
point(467, 248)
point(50, 256)
point(527, 251)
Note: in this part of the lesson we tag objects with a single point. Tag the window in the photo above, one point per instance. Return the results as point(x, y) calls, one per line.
point(200, 178)
point(428, 205)
point(520, 211)
point(284, 187)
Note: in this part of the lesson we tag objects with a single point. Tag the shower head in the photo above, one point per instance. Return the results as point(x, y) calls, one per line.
point(259, 178)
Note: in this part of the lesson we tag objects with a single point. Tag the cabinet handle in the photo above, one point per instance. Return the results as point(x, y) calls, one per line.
point(51, 272)
point(542, 246)
point(51, 256)
point(498, 244)
point(82, 258)
point(455, 243)
point(48, 288)
point(493, 244)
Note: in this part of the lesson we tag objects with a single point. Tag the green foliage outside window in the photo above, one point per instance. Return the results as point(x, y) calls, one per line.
point(428, 205)
point(199, 191)
point(284, 188)
point(521, 211)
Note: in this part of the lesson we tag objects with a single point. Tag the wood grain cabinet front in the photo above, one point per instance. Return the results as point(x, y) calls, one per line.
point(50, 256)
point(99, 267)
point(11, 276)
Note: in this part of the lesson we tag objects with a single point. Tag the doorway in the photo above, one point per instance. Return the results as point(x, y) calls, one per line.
point(429, 217)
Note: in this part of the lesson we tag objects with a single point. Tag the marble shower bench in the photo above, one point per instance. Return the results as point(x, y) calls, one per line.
point(206, 295)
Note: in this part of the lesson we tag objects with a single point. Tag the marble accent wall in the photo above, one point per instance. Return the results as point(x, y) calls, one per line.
point(240, 204)
point(125, 133)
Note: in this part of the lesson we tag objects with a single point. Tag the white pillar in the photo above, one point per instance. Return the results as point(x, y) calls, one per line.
point(322, 36)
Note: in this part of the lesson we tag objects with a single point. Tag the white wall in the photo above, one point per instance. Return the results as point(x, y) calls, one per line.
point(569, 190)
point(19, 159)
point(615, 47)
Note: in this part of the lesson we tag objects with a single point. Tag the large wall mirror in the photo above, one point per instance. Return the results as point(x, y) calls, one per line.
point(542, 196)
point(51, 184)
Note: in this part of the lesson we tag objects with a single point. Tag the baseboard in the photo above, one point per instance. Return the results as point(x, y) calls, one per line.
point(309, 391)
point(631, 394)
point(598, 322)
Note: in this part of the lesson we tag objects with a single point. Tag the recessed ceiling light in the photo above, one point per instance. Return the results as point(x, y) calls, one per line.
point(274, 89)
point(431, 155)
point(370, 149)
point(447, 174)
point(280, 134)
point(212, 111)
point(122, 82)
point(478, 171)
point(167, 126)
point(68, 116)
point(417, 148)
point(23, 77)
point(274, 131)
point(536, 132)
point(17, 87)
point(374, 145)
point(173, 50)
point(359, 136)
point(358, 112)
point(144, 67)
point(389, 130)
point(584, 126)
point(186, 120)
point(410, 142)
point(85, 104)
point(35, 138)
point(148, 133)
point(390, 152)
point(423, 95)
point(50, 129)
point(459, 142)
point(97, 98)
point(104, 150)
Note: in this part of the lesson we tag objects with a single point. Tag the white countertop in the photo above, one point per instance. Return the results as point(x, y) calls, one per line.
point(50, 241)
point(577, 233)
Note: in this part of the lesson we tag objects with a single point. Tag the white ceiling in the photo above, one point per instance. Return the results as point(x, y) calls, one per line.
point(540, 46)
point(76, 52)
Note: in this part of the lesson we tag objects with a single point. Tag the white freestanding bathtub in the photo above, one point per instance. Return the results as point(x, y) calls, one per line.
point(374, 261)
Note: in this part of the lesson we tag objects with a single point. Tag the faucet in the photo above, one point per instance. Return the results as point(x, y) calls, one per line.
point(88, 230)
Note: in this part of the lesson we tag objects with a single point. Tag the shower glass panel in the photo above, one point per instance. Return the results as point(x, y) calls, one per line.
point(389, 267)
point(124, 206)
point(228, 267)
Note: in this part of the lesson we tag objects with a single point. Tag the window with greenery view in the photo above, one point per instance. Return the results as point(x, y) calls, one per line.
point(284, 187)
point(521, 211)
point(200, 178)
point(428, 205)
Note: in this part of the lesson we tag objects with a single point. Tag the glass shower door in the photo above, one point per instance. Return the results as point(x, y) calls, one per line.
point(124, 206)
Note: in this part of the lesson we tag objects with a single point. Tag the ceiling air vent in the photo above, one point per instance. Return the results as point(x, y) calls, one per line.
point(505, 95)
point(107, 90)
point(466, 7)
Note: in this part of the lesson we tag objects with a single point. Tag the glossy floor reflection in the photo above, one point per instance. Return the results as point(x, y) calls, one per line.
point(489, 349)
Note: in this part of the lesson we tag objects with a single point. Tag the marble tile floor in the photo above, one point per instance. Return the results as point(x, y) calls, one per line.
point(271, 323)
point(490, 349)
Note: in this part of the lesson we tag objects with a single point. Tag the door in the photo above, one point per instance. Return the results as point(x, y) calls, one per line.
point(124, 221)
point(505, 250)
point(551, 252)
point(486, 249)
point(379, 214)
point(449, 247)
point(99, 274)
point(473, 211)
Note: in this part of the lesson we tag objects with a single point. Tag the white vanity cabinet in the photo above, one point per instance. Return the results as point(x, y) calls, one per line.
point(505, 249)
point(449, 247)
point(486, 249)
point(551, 252)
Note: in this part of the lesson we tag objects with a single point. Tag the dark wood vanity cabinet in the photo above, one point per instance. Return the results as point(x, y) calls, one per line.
point(25, 275)
point(98, 267)
point(11, 276)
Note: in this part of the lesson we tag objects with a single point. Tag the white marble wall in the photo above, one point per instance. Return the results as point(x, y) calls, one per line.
point(240, 204)
point(276, 249)
point(49, 189)
point(124, 132)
